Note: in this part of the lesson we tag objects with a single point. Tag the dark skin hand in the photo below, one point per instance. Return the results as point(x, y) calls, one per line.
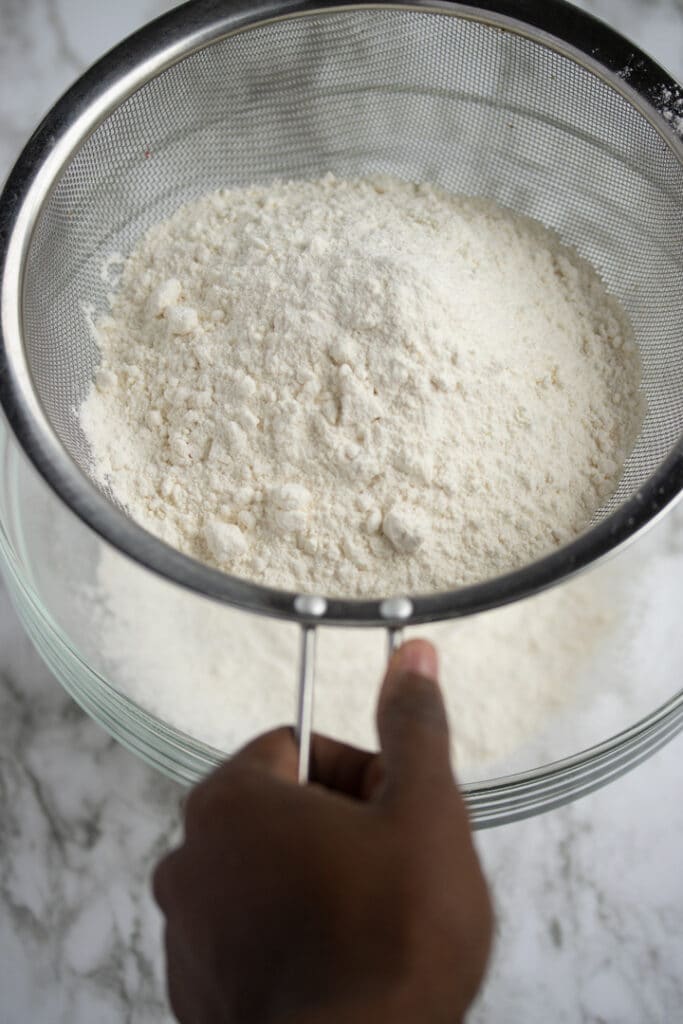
point(357, 898)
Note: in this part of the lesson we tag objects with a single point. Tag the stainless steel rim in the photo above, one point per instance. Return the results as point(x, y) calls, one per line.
point(557, 25)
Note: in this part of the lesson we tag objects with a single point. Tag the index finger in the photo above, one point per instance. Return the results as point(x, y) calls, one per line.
point(336, 766)
point(274, 754)
point(345, 769)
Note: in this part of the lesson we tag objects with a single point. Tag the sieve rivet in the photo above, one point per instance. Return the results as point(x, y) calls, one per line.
point(396, 609)
point(310, 606)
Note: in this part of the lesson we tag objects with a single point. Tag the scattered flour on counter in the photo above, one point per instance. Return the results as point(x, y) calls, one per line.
point(223, 676)
point(361, 387)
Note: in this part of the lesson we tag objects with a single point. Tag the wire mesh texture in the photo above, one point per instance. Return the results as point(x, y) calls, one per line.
point(425, 95)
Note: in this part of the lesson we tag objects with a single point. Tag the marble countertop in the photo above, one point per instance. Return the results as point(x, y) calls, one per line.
point(589, 897)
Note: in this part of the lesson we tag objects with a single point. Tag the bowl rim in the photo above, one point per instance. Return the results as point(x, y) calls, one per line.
point(490, 802)
point(152, 50)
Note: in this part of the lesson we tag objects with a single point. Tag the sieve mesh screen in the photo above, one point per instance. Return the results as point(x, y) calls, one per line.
point(422, 95)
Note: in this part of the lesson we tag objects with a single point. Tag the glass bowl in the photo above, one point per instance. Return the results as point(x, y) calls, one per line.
point(123, 642)
point(549, 697)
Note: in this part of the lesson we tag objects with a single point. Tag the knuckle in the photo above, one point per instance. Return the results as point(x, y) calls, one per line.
point(201, 808)
point(229, 793)
point(196, 806)
point(163, 880)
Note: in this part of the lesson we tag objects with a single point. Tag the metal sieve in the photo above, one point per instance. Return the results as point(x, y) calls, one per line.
point(534, 104)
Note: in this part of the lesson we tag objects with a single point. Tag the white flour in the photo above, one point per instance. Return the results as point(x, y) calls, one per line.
point(361, 387)
point(670, 103)
point(223, 677)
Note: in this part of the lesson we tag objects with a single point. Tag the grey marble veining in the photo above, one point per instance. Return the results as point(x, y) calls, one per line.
point(590, 897)
point(81, 823)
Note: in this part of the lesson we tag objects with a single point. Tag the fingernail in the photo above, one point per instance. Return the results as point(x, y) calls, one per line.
point(418, 657)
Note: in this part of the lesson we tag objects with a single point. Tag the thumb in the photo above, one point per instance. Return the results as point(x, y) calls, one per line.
point(412, 722)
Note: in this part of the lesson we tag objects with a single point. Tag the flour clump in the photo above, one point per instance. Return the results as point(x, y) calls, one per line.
point(360, 387)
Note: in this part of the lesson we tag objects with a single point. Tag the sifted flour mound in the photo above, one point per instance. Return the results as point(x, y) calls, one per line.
point(361, 387)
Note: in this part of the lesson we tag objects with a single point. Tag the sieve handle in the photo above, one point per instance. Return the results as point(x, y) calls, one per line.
point(397, 611)
point(304, 718)
point(395, 635)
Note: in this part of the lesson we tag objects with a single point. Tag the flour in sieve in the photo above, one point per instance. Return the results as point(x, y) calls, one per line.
point(361, 387)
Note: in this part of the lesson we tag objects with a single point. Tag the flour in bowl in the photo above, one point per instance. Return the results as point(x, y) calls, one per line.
point(510, 677)
point(361, 387)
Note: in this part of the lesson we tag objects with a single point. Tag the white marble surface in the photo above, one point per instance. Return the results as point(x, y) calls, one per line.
point(590, 897)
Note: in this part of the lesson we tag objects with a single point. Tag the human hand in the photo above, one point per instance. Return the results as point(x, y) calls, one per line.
point(357, 898)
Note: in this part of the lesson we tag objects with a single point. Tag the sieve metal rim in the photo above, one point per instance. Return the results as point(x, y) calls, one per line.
point(555, 24)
